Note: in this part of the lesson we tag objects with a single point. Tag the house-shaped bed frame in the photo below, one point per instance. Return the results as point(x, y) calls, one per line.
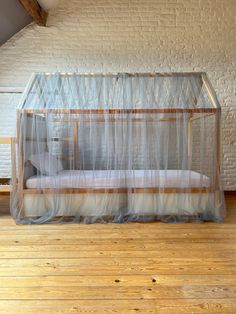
point(197, 109)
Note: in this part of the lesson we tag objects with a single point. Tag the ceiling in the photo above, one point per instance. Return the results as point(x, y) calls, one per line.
point(16, 14)
point(13, 18)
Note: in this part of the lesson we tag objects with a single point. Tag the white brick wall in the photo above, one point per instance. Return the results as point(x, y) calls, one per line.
point(131, 36)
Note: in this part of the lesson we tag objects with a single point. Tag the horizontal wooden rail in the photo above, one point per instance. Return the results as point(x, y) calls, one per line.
point(6, 188)
point(200, 116)
point(6, 140)
point(115, 190)
point(118, 111)
point(129, 74)
point(102, 120)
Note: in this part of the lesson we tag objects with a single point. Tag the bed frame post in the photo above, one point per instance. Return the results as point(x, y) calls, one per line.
point(75, 135)
point(218, 148)
point(190, 126)
point(13, 162)
point(20, 162)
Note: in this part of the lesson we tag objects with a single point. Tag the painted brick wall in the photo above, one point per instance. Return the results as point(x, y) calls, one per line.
point(131, 36)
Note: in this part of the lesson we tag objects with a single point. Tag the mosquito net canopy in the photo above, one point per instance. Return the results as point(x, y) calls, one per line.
point(117, 147)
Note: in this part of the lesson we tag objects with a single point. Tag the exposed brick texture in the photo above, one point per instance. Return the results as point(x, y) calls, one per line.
point(130, 36)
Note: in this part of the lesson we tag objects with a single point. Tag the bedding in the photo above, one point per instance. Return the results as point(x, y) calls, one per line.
point(120, 179)
point(46, 163)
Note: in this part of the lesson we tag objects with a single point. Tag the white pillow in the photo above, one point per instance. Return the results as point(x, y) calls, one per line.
point(46, 163)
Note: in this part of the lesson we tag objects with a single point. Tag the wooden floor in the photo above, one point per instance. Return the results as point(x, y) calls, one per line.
point(119, 268)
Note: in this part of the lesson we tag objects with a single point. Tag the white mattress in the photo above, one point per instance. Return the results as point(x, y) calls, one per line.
point(120, 179)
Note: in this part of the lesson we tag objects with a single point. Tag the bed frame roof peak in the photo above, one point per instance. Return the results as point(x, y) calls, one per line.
point(39, 85)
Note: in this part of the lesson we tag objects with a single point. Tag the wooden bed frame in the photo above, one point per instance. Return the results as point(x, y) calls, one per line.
point(75, 121)
point(216, 111)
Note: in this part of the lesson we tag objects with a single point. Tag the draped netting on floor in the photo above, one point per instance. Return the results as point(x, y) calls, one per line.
point(117, 147)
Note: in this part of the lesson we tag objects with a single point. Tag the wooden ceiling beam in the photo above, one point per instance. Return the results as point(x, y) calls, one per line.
point(33, 8)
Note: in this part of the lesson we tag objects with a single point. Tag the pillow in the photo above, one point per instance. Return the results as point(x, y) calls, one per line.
point(46, 163)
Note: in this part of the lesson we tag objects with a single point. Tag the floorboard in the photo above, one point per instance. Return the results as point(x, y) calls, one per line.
point(118, 268)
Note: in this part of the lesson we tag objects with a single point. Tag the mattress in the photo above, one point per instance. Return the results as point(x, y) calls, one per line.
point(120, 179)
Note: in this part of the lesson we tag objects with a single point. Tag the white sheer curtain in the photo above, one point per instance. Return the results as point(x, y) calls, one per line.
point(117, 148)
